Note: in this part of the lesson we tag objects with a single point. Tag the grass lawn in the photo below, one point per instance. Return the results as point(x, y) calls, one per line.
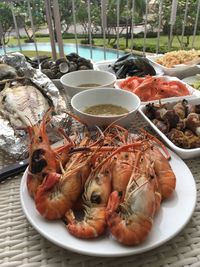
point(33, 53)
point(139, 42)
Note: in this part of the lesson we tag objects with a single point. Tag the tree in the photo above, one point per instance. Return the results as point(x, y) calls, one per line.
point(23, 19)
point(6, 21)
point(66, 15)
point(82, 14)
point(178, 26)
point(125, 16)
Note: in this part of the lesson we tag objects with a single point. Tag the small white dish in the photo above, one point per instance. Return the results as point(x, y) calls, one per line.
point(183, 153)
point(73, 82)
point(166, 224)
point(102, 96)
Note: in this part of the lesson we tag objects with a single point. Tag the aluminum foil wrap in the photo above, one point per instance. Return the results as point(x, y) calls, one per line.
point(15, 141)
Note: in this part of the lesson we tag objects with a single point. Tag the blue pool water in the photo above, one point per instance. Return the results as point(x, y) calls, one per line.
point(84, 51)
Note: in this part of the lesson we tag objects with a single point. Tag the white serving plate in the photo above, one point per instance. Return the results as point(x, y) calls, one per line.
point(181, 71)
point(191, 80)
point(104, 65)
point(166, 224)
point(183, 153)
point(193, 92)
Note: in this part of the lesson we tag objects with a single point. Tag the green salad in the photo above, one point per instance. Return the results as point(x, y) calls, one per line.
point(196, 85)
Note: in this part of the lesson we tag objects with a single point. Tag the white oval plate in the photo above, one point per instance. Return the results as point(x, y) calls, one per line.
point(173, 215)
point(192, 79)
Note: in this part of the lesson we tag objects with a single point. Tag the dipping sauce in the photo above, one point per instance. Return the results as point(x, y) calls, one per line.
point(88, 85)
point(106, 110)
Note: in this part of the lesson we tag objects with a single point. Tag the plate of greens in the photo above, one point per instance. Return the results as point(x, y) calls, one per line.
point(193, 81)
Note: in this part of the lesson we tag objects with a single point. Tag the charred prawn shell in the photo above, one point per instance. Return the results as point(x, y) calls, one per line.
point(38, 162)
point(132, 65)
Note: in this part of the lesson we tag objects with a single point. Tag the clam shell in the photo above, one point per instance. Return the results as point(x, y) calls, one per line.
point(60, 60)
point(64, 67)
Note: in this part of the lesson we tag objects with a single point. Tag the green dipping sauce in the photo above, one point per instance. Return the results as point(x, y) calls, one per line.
point(106, 110)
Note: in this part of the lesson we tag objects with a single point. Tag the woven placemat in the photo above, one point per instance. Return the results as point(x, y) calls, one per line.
point(21, 245)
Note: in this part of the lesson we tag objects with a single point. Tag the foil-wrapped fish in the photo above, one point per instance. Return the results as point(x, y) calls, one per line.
point(22, 105)
point(24, 102)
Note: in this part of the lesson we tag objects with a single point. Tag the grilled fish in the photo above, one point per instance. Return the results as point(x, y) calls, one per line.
point(22, 105)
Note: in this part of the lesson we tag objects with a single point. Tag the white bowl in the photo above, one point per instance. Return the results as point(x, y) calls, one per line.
point(93, 97)
point(72, 80)
point(182, 152)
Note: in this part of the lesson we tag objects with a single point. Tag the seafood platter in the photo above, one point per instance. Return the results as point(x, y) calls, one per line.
point(180, 63)
point(129, 65)
point(112, 191)
point(151, 88)
point(106, 188)
point(177, 123)
point(107, 192)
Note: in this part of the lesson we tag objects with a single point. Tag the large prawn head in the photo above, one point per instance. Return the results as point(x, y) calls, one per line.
point(39, 148)
point(59, 193)
point(43, 159)
point(41, 156)
point(96, 194)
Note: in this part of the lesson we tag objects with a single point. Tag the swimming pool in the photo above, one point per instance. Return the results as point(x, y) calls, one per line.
point(83, 50)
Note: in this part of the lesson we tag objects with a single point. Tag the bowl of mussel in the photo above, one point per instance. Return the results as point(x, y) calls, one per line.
point(104, 106)
point(70, 63)
point(129, 65)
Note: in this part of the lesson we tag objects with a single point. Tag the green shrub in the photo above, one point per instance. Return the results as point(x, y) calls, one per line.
point(28, 41)
point(150, 48)
point(86, 41)
point(41, 35)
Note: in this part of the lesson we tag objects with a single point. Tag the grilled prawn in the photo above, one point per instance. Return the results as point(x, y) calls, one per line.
point(43, 159)
point(95, 198)
point(130, 220)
